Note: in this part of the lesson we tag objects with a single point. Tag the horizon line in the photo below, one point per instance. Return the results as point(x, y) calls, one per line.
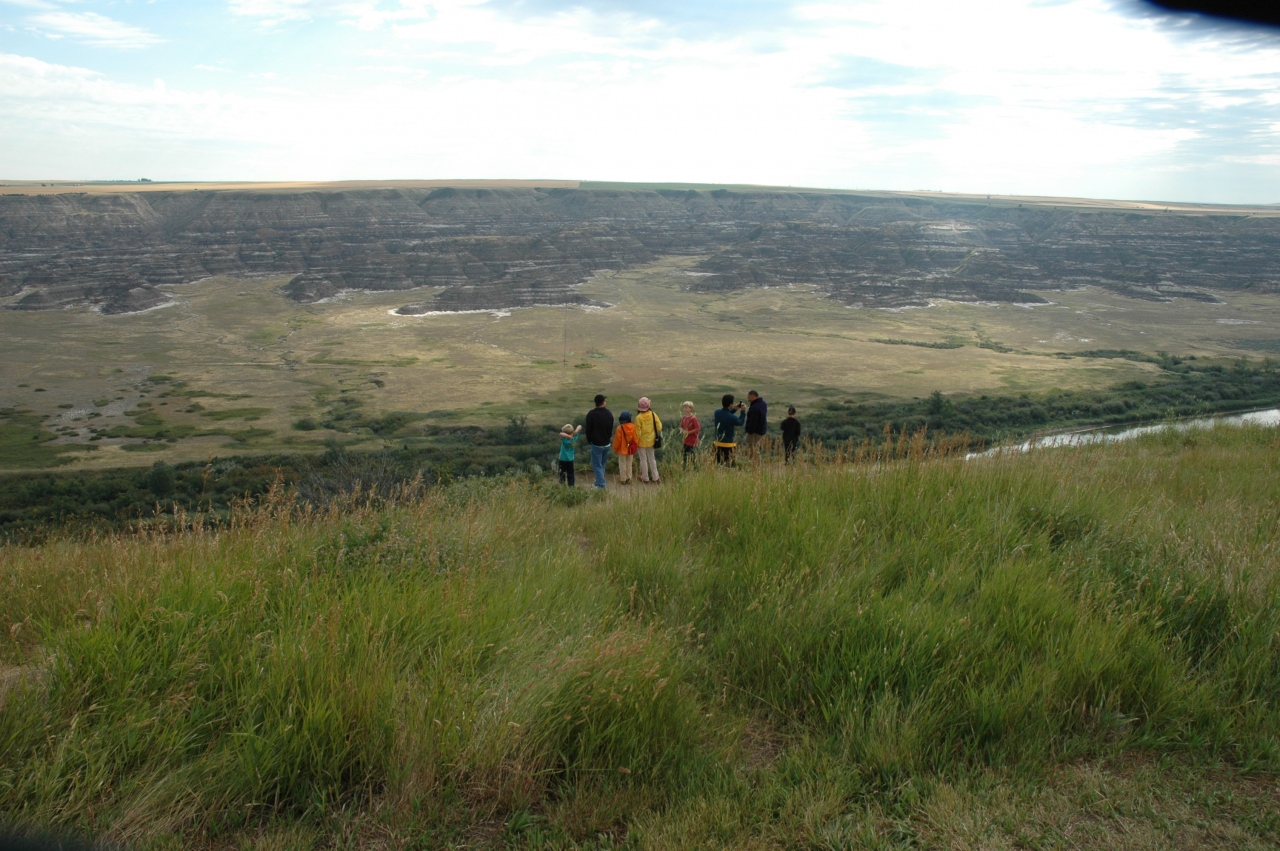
point(116, 186)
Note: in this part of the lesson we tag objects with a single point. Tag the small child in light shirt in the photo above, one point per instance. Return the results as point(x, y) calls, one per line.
point(567, 436)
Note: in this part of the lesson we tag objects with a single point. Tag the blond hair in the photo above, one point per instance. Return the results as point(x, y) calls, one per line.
point(688, 405)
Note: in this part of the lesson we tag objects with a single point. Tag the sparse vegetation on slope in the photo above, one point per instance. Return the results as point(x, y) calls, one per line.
point(1056, 648)
point(233, 367)
point(1186, 388)
point(24, 442)
point(36, 504)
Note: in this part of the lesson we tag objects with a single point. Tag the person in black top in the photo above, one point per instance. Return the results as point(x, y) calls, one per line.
point(790, 435)
point(598, 429)
point(757, 422)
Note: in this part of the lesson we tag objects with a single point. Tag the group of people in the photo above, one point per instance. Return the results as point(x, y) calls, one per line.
point(635, 439)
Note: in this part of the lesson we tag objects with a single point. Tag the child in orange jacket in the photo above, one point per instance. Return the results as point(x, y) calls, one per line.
point(625, 446)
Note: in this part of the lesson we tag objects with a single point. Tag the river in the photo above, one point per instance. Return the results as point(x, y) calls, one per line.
point(1112, 434)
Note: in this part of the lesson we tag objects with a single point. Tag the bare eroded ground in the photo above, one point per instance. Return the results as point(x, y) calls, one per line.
point(268, 361)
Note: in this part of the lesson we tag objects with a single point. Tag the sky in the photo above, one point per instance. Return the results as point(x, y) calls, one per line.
point(1083, 98)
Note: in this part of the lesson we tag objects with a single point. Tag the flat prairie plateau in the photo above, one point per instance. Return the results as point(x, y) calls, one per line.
point(67, 187)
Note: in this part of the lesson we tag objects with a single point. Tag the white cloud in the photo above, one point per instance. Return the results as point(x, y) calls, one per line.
point(92, 28)
point(71, 97)
point(1019, 97)
point(1259, 159)
point(1037, 149)
point(278, 11)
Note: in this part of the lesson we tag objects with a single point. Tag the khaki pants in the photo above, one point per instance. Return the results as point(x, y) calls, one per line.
point(753, 445)
point(624, 469)
point(648, 464)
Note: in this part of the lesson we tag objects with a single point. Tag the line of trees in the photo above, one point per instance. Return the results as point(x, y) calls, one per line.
point(1186, 388)
point(34, 504)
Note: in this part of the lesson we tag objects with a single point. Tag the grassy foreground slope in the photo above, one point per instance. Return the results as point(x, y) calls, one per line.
point(1076, 647)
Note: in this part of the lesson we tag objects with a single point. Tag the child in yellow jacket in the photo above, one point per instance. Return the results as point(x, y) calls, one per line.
point(648, 428)
point(625, 446)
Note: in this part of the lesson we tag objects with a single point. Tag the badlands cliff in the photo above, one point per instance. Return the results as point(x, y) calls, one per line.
point(508, 247)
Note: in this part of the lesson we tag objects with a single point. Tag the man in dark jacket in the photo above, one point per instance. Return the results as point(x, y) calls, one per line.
point(598, 430)
point(757, 422)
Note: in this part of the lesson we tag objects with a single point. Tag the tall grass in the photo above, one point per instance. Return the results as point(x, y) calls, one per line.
point(762, 655)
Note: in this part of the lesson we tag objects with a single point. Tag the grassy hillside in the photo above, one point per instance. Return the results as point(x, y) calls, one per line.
point(1074, 648)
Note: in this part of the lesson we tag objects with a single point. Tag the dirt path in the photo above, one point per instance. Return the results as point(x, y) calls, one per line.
point(13, 677)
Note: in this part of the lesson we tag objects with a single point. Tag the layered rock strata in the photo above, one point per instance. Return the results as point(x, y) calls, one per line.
point(503, 248)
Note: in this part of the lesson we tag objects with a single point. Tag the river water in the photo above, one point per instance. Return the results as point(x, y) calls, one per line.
point(1112, 434)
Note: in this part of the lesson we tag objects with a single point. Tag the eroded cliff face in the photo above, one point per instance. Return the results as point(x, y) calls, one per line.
point(501, 248)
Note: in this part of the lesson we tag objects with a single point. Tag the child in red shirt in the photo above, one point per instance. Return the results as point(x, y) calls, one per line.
point(691, 429)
